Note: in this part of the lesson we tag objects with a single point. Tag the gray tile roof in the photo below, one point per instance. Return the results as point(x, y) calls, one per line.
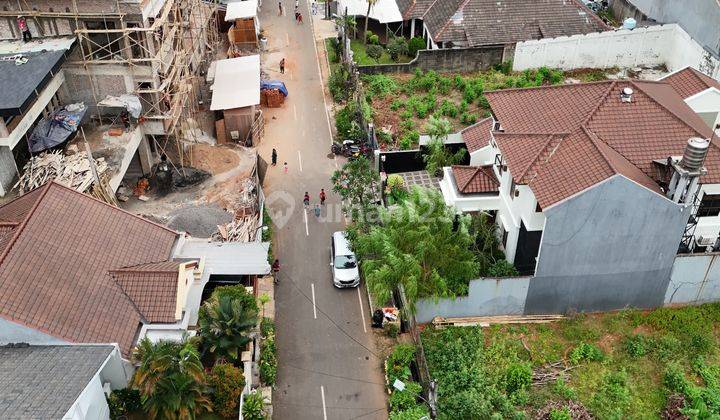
point(43, 382)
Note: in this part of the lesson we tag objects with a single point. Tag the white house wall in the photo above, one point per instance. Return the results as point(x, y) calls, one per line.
point(709, 226)
point(707, 105)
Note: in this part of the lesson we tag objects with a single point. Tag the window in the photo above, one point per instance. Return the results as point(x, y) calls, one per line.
point(504, 236)
point(709, 206)
point(513, 190)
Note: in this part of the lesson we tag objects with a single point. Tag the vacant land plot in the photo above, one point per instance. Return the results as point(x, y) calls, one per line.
point(628, 364)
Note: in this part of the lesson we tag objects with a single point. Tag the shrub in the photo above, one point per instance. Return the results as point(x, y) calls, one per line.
point(416, 44)
point(123, 402)
point(444, 84)
point(396, 47)
point(398, 363)
point(407, 114)
point(384, 137)
point(468, 118)
point(375, 52)
point(637, 345)
point(562, 389)
point(227, 382)
point(405, 399)
point(346, 122)
point(463, 106)
point(371, 38)
point(337, 84)
point(409, 139)
point(469, 94)
point(586, 351)
point(415, 413)
point(397, 104)
point(392, 330)
point(407, 125)
point(253, 407)
point(613, 398)
point(502, 268)
point(267, 327)
point(483, 102)
point(701, 342)
point(268, 361)
point(560, 414)
point(518, 377)
point(505, 67)
point(666, 347)
point(448, 109)
point(381, 85)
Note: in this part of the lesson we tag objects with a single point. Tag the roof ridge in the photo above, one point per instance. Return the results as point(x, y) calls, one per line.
point(601, 101)
point(594, 141)
point(564, 85)
point(534, 161)
point(447, 23)
point(521, 133)
point(126, 268)
point(116, 208)
point(127, 296)
point(428, 9)
point(475, 125)
point(21, 226)
point(679, 118)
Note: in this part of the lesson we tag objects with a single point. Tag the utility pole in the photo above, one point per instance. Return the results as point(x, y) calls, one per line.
point(432, 399)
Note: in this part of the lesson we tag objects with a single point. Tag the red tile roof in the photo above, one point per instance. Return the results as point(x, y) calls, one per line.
point(477, 135)
point(560, 140)
point(54, 271)
point(475, 179)
point(688, 82)
point(152, 288)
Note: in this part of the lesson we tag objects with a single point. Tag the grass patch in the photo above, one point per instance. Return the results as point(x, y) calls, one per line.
point(623, 365)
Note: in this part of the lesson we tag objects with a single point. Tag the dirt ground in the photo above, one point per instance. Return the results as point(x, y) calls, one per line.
point(213, 159)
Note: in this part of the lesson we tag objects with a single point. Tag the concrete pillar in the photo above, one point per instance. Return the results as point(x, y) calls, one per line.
point(412, 28)
point(8, 170)
point(145, 154)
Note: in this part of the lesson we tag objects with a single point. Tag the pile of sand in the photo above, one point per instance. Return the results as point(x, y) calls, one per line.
point(213, 159)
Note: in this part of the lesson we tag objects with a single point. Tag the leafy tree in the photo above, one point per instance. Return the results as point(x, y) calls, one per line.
point(416, 44)
point(224, 321)
point(253, 407)
point(370, 3)
point(438, 155)
point(348, 23)
point(374, 52)
point(422, 246)
point(227, 382)
point(396, 47)
point(170, 379)
point(358, 184)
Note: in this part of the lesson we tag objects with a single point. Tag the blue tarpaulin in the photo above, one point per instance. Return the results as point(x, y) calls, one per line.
point(274, 84)
point(57, 127)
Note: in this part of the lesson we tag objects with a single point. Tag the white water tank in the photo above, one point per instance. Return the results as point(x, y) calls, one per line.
point(629, 23)
point(695, 152)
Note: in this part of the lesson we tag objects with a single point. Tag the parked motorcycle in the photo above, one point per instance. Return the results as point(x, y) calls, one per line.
point(348, 148)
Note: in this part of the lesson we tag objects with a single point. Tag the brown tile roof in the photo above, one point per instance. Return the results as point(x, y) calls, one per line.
point(54, 272)
point(688, 82)
point(500, 22)
point(475, 179)
point(152, 288)
point(560, 140)
point(477, 135)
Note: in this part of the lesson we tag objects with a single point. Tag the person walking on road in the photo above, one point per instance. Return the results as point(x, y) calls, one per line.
point(275, 270)
point(317, 210)
point(285, 168)
point(274, 157)
point(280, 8)
point(306, 200)
point(300, 18)
point(322, 196)
point(282, 66)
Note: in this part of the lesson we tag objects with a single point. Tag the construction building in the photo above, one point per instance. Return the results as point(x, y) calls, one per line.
point(148, 52)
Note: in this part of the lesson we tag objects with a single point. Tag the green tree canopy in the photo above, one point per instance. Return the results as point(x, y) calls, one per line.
point(359, 186)
point(170, 379)
point(422, 245)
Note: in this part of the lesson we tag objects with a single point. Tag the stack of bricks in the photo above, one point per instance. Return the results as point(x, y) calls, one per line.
point(271, 98)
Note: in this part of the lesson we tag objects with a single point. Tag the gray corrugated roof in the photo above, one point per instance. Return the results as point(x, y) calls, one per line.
point(231, 258)
point(43, 382)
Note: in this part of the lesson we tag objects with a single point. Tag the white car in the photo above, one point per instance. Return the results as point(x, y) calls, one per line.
point(343, 263)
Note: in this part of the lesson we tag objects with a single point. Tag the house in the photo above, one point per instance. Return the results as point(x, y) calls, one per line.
point(58, 382)
point(236, 96)
point(598, 186)
point(74, 269)
point(480, 23)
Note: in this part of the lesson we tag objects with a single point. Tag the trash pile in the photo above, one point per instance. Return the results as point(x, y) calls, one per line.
point(69, 170)
point(246, 223)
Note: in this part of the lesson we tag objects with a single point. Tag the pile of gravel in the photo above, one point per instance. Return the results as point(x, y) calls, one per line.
point(199, 221)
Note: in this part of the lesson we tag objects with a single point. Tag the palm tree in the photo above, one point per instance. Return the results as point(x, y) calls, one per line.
point(370, 3)
point(170, 379)
point(224, 324)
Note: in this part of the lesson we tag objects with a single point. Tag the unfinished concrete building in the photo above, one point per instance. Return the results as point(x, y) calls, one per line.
point(156, 51)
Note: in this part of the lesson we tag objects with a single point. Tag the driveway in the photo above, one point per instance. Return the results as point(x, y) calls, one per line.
point(328, 363)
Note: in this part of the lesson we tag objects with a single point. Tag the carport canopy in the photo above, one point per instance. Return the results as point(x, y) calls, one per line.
point(229, 258)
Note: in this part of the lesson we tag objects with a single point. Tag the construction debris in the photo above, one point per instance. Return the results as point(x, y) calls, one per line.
point(71, 171)
point(551, 372)
point(240, 230)
point(485, 321)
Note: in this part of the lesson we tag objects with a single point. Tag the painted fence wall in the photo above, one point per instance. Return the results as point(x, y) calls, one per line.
point(486, 297)
point(695, 279)
point(667, 45)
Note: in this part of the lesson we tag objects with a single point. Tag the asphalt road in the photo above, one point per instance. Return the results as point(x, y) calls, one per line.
point(328, 367)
